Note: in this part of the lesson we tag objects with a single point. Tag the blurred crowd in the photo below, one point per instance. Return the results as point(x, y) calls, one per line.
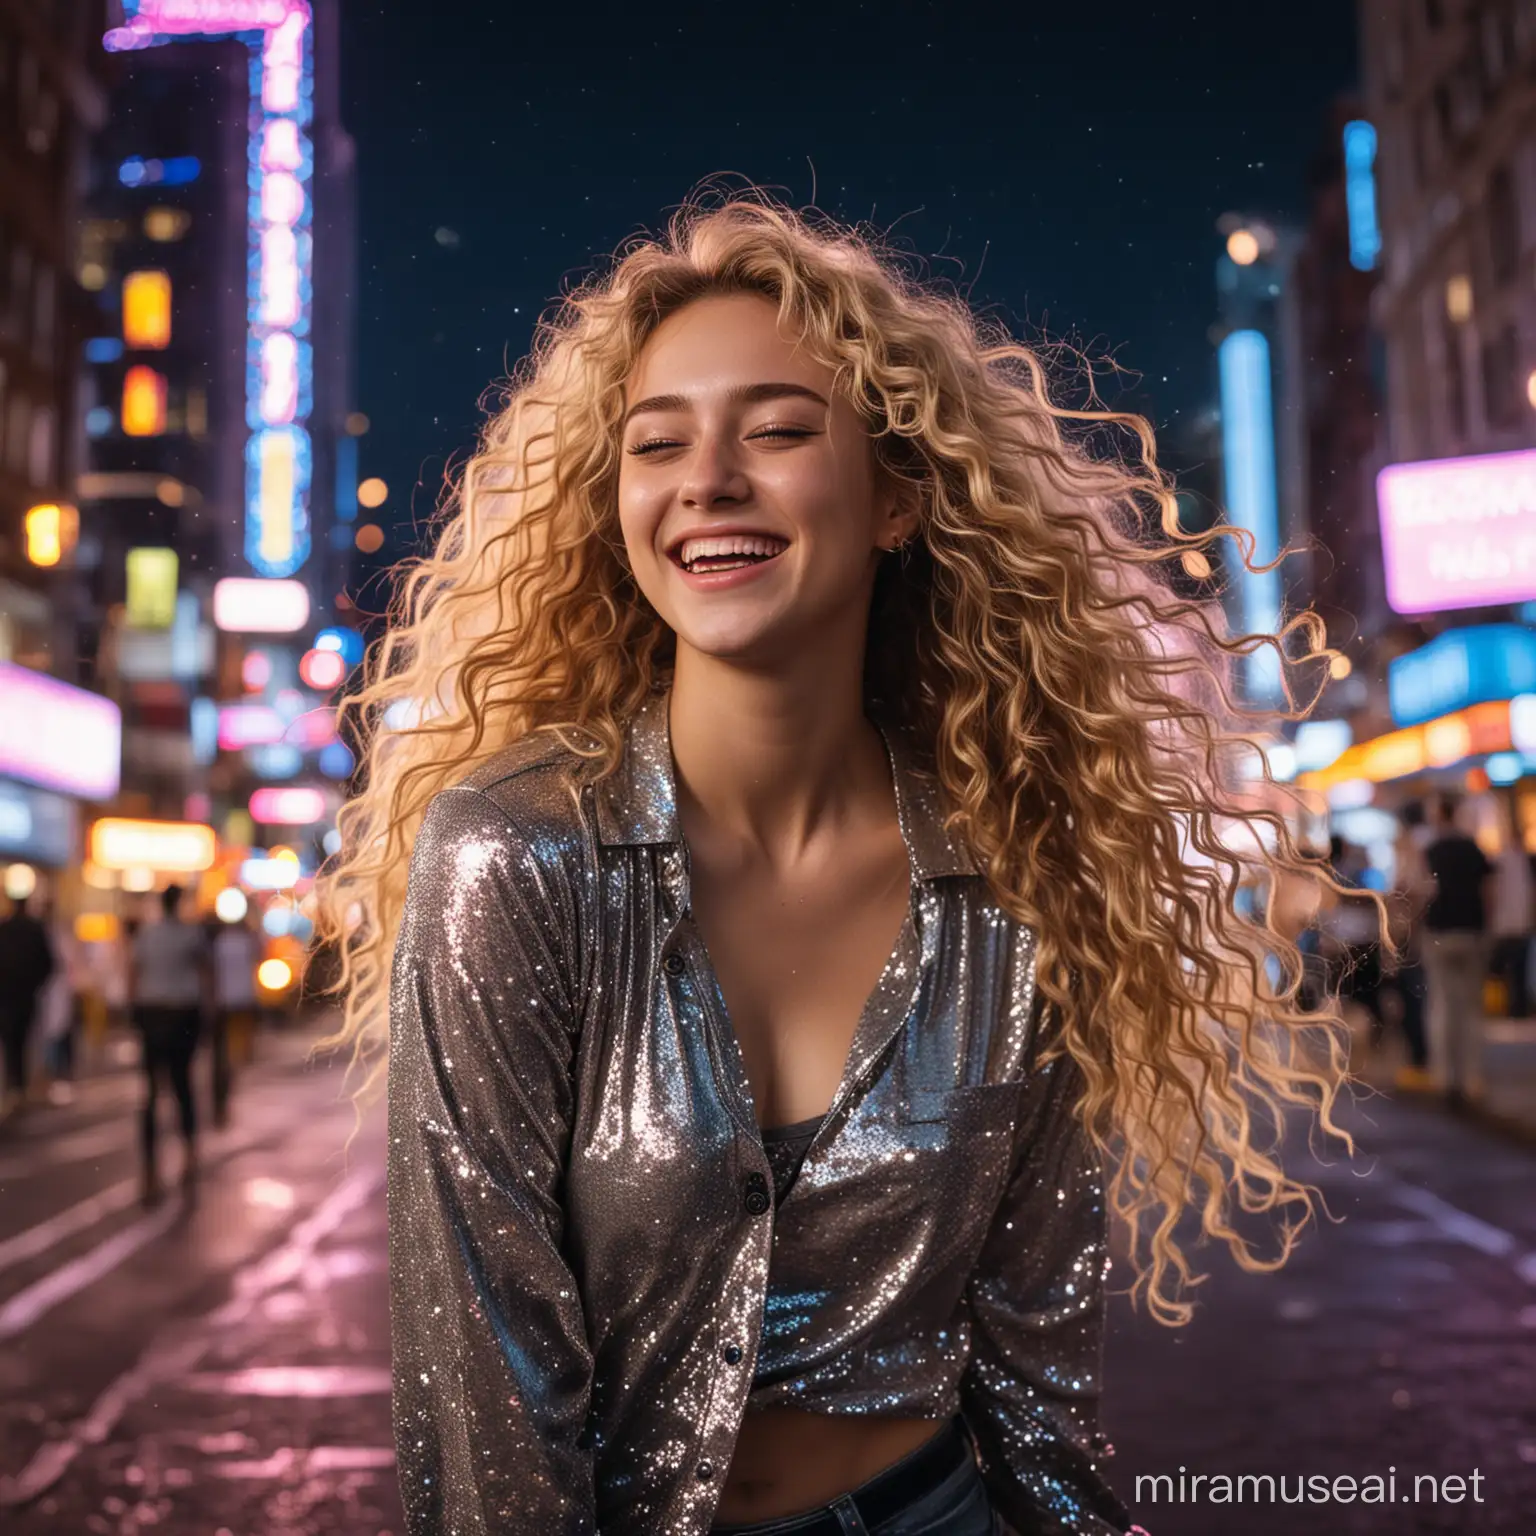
point(1460, 908)
point(170, 981)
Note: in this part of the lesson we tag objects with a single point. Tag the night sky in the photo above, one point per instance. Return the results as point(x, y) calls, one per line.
point(1065, 164)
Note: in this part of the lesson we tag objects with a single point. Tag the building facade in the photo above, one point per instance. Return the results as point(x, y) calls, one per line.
point(1451, 87)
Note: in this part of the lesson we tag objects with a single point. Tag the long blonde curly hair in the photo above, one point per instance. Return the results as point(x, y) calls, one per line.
point(1075, 689)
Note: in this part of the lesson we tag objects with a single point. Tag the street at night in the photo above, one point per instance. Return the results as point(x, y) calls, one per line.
point(534, 541)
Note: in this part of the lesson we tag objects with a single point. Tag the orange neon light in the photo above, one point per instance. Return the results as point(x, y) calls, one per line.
point(147, 310)
point(1435, 744)
point(143, 402)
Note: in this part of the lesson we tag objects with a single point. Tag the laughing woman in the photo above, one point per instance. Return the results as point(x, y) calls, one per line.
point(818, 817)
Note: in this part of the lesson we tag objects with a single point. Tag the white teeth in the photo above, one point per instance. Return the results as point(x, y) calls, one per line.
point(730, 544)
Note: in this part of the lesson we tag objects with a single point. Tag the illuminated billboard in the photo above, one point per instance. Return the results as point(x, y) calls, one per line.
point(289, 807)
point(58, 736)
point(247, 605)
point(1462, 667)
point(279, 360)
point(1459, 533)
point(167, 847)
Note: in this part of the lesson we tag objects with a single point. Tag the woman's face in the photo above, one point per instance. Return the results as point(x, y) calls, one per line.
point(731, 435)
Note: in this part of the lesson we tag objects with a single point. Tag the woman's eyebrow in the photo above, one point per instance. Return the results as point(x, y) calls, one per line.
point(737, 394)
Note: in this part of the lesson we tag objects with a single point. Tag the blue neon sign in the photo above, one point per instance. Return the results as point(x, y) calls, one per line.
point(1248, 451)
point(279, 356)
point(1461, 667)
point(1360, 194)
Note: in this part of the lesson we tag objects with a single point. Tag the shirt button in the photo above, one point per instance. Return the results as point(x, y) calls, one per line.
point(705, 1471)
point(732, 1353)
point(675, 965)
point(756, 1198)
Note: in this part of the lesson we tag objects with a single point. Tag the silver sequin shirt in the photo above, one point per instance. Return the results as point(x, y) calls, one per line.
point(590, 1283)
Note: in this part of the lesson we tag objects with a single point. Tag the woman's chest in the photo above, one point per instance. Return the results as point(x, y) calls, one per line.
point(796, 960)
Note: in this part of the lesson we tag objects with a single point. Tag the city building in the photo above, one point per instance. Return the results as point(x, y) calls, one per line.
point(220, 485)
point(57, 742)
point(1450, 91)
point(1258, 352)
point(1343, 381)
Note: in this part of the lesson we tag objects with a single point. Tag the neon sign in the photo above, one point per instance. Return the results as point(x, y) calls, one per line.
point(1360, 194)
point(1248, 443)
point(1459, 533)
point(279, 360)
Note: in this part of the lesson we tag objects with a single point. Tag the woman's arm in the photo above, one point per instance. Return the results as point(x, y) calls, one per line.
point(1031, 1391)
point(492, 1370)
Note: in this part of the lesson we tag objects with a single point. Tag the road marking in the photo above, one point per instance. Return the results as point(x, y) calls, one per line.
point(75, 1276)
point(323, 1458)
point(296, 1381)
point(25, 1307)
point(1464, 1228)
point(36, 1241)
point(176, 1350)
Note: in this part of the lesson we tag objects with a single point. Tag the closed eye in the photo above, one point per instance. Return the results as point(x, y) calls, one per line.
point(650, 445)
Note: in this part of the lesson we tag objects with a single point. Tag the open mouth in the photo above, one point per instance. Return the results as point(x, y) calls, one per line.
point(733, 552)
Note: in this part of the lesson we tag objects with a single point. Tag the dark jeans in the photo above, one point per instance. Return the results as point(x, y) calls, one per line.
point(16, 1019)
point(952, 1503)
point(169, 1038)
point(1508, 963)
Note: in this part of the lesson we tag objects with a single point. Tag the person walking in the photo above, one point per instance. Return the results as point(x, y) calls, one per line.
point(1455, 953)
point(236, 954)
point(168, 983)
point(58, 1012)
point(26, 962)
point(1412, 888)
point(1510, 921)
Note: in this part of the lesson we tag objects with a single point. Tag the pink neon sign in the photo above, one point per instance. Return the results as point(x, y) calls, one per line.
point(177, 18)
point(1459, 533)
point(59, 736)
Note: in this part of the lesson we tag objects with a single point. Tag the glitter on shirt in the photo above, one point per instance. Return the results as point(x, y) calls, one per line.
point(597, 1268)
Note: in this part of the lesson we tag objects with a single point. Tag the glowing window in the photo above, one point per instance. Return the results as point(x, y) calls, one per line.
point(147, 310)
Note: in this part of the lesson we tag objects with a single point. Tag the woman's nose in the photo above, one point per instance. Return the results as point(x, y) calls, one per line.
point(711, 473)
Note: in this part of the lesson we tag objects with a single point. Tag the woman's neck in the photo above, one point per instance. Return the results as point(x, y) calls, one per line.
point(773, 767)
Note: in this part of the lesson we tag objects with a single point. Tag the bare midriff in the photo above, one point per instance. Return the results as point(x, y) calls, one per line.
point(788, 1461)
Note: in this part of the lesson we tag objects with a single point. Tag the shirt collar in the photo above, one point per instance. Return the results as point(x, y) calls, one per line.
point(637, 803)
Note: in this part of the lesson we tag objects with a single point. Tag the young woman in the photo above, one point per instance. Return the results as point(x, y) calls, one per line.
point(815, 829)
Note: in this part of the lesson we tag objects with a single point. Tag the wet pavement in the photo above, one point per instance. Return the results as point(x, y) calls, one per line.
point(215, 1366)
point(221, 1367)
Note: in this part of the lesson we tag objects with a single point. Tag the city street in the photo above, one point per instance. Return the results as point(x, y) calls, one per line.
point(224, 1366)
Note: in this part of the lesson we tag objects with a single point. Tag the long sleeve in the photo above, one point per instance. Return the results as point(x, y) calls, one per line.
point(492, 1367)
point(1030, 1393)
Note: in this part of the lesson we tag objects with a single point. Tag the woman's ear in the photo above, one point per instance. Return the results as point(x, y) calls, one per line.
point(899, 503)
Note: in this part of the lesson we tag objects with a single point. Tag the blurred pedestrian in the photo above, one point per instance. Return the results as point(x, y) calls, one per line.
point(58, 1010)
point(26, 962)
point(1412, 888)
point(236, 954)
point(1455, 952)
point(1511, 921)
point(168, 987)
point(1350, 928)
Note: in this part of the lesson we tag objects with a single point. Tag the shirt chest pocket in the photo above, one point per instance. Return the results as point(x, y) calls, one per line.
point(923, 1160)
point(971, 1128)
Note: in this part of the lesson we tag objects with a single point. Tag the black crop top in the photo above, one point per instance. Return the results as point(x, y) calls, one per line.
point(786, 1146)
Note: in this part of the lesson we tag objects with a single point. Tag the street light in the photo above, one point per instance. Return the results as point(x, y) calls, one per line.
point(1243, 247)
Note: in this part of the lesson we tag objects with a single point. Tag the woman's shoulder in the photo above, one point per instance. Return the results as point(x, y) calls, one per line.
point(532, 785)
